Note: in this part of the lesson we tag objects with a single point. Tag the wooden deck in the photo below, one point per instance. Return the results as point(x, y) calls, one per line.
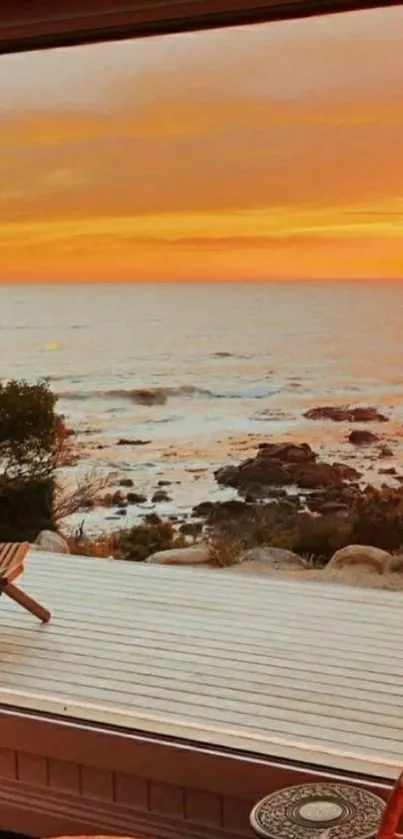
point(295, 671)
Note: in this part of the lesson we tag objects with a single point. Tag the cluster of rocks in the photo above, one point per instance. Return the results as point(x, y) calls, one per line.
point(284, 465)
point(345, 413)
point(266, 559)
point(121, 500)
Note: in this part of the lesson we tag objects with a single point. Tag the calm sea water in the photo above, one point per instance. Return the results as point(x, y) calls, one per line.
point(231, 364)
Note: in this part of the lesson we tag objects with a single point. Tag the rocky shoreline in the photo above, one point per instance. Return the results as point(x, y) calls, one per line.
point(287, 469)
point(284, 496)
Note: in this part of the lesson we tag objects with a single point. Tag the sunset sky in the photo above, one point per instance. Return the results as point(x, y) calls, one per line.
point(265, 152)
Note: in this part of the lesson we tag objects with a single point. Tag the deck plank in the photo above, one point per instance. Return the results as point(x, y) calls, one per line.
point(286, 668)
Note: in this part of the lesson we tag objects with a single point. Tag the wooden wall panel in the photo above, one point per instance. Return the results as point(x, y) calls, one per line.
point(37, 24)
point(76, 779)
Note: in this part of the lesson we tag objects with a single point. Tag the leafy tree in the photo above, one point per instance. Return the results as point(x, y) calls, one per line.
point(33, 438)
point(34, 442)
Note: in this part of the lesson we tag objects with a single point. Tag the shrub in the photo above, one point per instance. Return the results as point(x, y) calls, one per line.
point(378, 518)
point(142, 540)
point(34, 442)
point(280, 526)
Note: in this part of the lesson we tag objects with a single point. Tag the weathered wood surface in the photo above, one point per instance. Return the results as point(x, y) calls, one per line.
point(288, 669)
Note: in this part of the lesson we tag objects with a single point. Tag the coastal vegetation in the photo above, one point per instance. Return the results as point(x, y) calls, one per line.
point(35, 445)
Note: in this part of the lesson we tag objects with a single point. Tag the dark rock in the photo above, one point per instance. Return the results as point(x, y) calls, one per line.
point(126, 482)
point(125, 442)
point(257, 492)
point(152, 518)
point(164, 483)
point(223, 511)
point(122, 512)
point(136, 498)
point(288, 452)
point(227, 475)
point(342, 497)
point(345, 413)
point(160, 496)
point(362, 437)
point(203, 510)
point(389, 471)
point(385, 451)
point(347, 473)
point(117, 497)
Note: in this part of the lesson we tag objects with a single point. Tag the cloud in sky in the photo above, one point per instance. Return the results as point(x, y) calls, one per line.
point(258, 152)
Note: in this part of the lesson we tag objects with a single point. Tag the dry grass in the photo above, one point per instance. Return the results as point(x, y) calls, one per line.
point(102, 547)
point(225, 550)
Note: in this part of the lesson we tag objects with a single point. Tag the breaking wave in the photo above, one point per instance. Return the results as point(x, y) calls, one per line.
point(141, 396)
point(160, 395)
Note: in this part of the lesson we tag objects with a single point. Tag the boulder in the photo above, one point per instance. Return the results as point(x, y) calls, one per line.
point(345, 413)
point(193, 555)
point(396, 564)
point(361, 555)
point(362, 437)
point(47, 540)
point(160, 496)
point(203, 509)
point(126, 482)
point(278, 558)
point(385, 451)
point(288, 452)
point(136, 498)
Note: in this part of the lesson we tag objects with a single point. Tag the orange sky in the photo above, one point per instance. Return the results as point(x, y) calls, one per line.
point(258, 153)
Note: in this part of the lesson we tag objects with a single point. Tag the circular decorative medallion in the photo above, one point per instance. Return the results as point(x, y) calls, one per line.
point(318, 811)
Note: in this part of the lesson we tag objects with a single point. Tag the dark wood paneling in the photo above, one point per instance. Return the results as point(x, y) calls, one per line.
point(32, 769)
point(81, 779)
point(236, 815)
point(64, 775)
point(97, 783)
point(168, 800)
point(203, 807)
point(37, 24)
point(182, 765)
point(8, 763)
point(131, 791)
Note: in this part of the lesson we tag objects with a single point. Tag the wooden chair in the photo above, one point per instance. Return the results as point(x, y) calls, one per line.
point(393, 813)
point(12, 555)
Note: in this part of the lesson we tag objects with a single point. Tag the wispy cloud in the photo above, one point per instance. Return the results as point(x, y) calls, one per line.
point(215, 148)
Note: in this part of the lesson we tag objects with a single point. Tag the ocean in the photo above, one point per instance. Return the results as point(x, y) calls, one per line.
point(228, 366)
